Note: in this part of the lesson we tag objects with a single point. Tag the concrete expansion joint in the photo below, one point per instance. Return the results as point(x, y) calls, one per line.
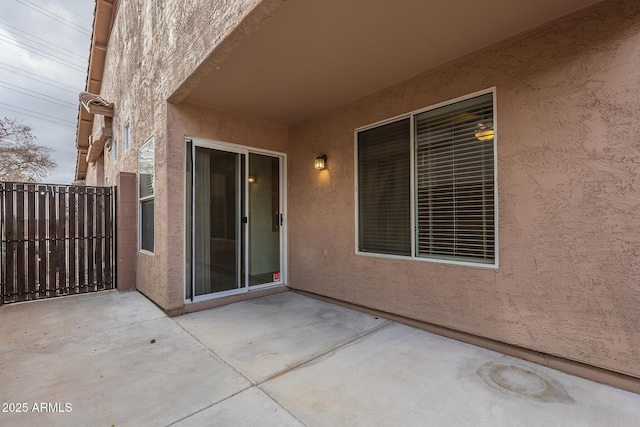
point(284, 408)
point(313, 360)
point(385, 324)
point(233, 395)
point(257, 384)
point(252, 383)
point(212, 404)
point(215, 354)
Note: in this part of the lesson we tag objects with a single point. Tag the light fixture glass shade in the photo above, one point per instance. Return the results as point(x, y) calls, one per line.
point(321, 162)
point(484, 132)
point(252, 179)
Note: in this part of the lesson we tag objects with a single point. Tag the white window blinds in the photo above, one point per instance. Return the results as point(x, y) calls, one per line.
point(455, 181)
point(384, 182)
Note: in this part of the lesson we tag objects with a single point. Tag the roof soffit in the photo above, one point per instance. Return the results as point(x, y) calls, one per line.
point(314, 55)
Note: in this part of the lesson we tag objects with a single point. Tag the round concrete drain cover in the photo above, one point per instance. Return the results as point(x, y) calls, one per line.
point(523, 381)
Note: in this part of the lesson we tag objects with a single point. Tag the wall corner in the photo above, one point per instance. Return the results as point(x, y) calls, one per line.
point(126, 231)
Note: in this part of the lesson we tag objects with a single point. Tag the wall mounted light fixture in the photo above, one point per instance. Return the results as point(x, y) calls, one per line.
point(251, 179)
point(484, 132)
point(321, 162)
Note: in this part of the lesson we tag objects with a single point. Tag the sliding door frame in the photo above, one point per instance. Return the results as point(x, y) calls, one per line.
point(189, 209)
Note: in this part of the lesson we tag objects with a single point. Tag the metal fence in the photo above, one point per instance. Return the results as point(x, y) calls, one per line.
point(56, 240)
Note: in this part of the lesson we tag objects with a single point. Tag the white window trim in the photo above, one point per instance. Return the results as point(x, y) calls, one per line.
point(147, 198)
point(411, 116)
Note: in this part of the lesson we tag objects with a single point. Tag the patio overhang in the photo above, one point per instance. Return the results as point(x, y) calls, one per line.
point(311, 56)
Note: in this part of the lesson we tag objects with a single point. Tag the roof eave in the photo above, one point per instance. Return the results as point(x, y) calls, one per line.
point(103, 18)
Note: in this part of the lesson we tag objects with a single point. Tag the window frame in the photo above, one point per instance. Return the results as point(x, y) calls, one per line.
point(394, 168)
point(411, 116)
point(147, 198)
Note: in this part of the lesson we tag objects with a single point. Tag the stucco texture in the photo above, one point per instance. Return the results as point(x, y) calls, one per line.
point(568, 146)
point(153, 48)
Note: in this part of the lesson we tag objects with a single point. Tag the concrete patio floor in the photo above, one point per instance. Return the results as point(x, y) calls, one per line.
point(113, 359)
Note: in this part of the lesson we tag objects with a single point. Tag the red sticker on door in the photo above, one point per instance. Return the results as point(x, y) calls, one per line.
point(276, 276)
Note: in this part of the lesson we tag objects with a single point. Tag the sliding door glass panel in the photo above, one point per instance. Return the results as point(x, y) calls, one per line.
point(265, 219)
point(218, 214)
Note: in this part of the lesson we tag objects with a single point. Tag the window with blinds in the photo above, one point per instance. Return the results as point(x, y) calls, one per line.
point(455, 181)
point(452, 205)
point(384, 187)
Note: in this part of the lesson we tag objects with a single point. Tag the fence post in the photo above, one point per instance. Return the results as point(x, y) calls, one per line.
point(126, 231)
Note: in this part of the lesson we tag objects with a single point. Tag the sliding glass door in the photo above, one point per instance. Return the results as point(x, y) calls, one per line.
point(218, 213)
point(265, 219)
point(234, 220)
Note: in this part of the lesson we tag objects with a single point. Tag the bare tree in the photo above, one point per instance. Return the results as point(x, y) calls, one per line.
point(21, 159)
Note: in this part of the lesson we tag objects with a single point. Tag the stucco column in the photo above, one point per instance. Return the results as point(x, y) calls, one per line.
point(126, 230)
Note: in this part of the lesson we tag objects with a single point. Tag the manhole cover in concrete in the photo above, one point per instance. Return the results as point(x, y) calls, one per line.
point(523, 381)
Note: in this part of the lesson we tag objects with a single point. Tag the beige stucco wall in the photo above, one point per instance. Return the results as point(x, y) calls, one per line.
point(568, 114)
point(95, 172)
point(153, 48)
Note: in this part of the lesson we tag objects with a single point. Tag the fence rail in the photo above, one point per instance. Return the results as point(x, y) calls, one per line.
point(56, 240)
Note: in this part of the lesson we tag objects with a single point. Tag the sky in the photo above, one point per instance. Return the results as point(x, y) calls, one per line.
point(44, 51)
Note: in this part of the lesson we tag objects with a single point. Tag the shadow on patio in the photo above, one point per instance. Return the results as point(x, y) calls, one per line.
point(113, 359)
